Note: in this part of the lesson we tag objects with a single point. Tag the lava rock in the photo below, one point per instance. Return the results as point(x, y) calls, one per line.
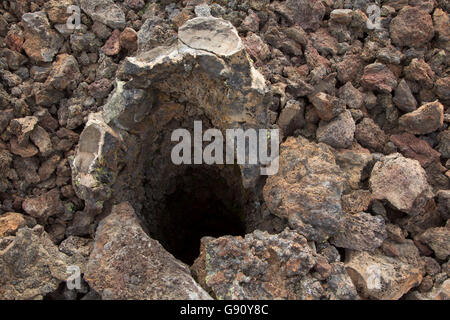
point(438, 239)
point(361, 231)
point(126, 263)
point(378, 77)
point(404, 99)
point(42, 43)
point(339, 132)
point(307, 189)
point(44, 206)
point(381, 277)
point(412, 147)
point(402, 182)
point(39, 267)
point(412, 27)
point(291, 117)
point(428, 118)
point(327, 107)
point(370, 135)
point(104, 11)
point(10, 222)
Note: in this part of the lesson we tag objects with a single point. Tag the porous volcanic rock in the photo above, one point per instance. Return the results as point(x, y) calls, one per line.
point(126, 263)
point(402, 182)
point(307, 189)
point(31, 266)
point(257, 267)
point(412, 27)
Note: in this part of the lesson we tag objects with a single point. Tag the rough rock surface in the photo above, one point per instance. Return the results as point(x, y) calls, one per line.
point(402, 182)
point(307, 189)
point(126, 263)
point(339, 132)
point(86, 117)
point(104, 11)
point(438, 239)
point(426, 119)
point(31, 265)
point(257, 267)
point(382, 277)
point(361, 231)
point(412, 27)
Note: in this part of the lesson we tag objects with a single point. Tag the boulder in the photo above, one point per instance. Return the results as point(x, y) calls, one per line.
point(307, 189)
point(126, 263)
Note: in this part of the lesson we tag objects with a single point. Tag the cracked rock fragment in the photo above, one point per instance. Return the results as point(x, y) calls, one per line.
point(307, 189)
point(31, 266)
point(264, 266)
point(402, 182)
point(126, 263)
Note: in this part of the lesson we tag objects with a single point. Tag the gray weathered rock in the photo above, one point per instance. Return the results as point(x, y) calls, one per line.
point(104, 11)
point(258, 267)
point(361, 231)
point(31, 266)
point(42, 43)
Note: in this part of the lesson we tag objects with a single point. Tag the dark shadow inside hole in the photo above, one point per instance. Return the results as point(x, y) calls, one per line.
point(204, 203)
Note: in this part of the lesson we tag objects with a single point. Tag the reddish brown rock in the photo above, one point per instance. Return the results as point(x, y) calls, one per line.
point(428, 118)
point(65, 73)
point(306, 13)
point(43, 206)
point(22, 128)
point(38, 266)
point(57, 10)
point(48, 167)
point(349, 68)
point(41, 139)
point(324, 42)
point(412, 147)
point(25, 151)
point(128, 40)
point(307, 189)
point(126, 263)
point(442, 89)
point(438, 239)
point(356, 201)
point(442, 27)
point(370, 135)
point(112, 45)
point(378, 77)
point(257, 267)
point(10, 222)
point(412, 27)
point(421, 73)
point(327, 107)
point(402, 182)
point(381, 277)
point(257, 48)
point(14, 40)
point(42, 43)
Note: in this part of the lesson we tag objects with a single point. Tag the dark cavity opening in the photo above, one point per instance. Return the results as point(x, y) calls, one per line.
point(203, 201)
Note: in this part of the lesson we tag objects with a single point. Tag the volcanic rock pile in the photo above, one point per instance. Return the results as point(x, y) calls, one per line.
point(359, 207)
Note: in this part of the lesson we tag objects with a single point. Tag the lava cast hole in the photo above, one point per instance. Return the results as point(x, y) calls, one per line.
point(204, 203)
